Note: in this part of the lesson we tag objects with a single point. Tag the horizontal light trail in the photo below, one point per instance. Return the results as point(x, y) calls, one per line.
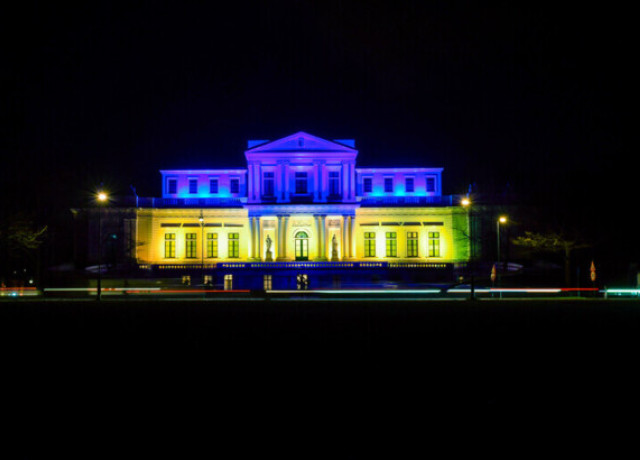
point(18, 291)
point(580, 289)
point(92, 289)
point(356, 291)
point(508, 290)
point(528, 290)
point(200, 291)
point(621, 291)
point(143, 290)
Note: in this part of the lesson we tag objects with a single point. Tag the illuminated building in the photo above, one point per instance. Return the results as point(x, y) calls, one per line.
point(301, 207)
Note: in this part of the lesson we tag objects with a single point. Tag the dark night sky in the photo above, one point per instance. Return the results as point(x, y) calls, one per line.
point(535, 96)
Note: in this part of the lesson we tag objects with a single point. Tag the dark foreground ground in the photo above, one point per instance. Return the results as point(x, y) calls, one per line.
point(328, 368)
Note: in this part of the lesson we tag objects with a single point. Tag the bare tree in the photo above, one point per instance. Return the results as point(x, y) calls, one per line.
point(553, 242)
point(19, 240)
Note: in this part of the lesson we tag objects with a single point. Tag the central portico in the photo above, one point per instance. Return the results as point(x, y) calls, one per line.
point(301, 199)
point(302, 231)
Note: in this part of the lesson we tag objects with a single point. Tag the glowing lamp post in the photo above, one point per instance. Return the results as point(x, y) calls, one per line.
point(501, 221)
point(101, 199)
point(466, 204)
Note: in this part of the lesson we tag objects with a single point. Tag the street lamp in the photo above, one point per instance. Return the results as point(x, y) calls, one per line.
point(201, 220)
point(101, 198)
point(501, 220)
point(466, 204)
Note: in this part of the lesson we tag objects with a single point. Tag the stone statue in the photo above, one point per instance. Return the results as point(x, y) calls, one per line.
point(334, 249)
point(269, 255)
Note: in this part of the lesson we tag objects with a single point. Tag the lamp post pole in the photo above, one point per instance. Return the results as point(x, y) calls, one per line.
point(501, 220)
point(101, 198)
point(498, 241)
point(466, 203)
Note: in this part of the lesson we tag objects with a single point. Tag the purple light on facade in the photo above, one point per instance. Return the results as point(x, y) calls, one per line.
point(301, 152)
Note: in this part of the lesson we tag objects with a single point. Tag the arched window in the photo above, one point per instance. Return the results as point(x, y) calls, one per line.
point(302, 246)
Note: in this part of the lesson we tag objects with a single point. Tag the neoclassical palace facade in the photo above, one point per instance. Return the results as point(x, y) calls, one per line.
point(300, 204)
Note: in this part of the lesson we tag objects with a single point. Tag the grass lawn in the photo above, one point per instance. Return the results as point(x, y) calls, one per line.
point(353, 361)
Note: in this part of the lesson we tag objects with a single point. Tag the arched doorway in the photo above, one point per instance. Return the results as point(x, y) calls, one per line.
point(302, 246)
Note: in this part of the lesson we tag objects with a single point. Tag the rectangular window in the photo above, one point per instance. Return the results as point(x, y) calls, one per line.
point(366, 184)
point(431, 184)
point(267, 282)
point(213, 186)
point(234, 186)
point(234, 245)
point(369, 244)
point(268, 184)
point(169, 245)
point(301, 183)
point(408, 185)
point(434, 244)
point(228, 282)
point(212, 245)
point(193, 185)
point(334, 183)
point(392, 244)
point(388, 184)
point(172, 186)
point(190, 245)
point(412, 244)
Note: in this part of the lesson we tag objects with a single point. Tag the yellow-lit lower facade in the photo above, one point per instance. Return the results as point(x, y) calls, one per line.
point(186, 237)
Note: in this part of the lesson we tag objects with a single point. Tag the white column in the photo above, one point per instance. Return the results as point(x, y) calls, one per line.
point(345, 238)
point(279, 256)
point(285, 225)
point(352, 236)
point(252, 237)
point(323, 240)
point(316, 219)
point(258, 240)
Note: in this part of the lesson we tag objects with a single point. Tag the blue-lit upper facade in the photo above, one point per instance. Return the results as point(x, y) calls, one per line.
point(302, 168)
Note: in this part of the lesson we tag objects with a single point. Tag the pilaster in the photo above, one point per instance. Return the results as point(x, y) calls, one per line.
point(280, 182)
point(287, 181)
point(344, 177)
point(250, 183)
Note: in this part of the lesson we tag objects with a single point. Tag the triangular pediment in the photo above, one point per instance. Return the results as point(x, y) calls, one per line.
point(301, 142)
